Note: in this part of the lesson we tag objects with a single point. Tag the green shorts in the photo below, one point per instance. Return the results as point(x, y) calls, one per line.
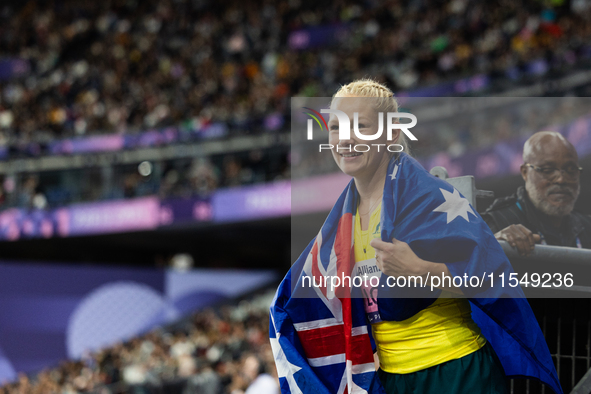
point(477, 373)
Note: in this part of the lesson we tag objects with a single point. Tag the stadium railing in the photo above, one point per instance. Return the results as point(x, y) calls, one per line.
point(564, 313)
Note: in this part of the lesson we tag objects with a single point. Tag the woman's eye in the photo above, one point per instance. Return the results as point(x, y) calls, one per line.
point(361, 125)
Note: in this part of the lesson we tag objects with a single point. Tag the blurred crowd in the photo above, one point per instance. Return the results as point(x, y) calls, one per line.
point(224, 352)
point(180, 178)
point(124, 66)
point(504, 121)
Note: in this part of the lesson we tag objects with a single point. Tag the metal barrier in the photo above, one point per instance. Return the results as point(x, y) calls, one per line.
point(584, 385)
point(565, 316)
point(550, 254)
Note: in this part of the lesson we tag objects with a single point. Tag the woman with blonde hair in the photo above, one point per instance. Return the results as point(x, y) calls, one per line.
point(396, 224)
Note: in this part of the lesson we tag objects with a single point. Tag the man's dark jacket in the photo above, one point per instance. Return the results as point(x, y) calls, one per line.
point(518, 209)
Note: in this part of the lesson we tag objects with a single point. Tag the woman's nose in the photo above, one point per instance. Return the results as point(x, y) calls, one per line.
point(346, 141)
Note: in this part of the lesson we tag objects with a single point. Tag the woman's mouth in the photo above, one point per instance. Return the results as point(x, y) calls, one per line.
point(351, 154)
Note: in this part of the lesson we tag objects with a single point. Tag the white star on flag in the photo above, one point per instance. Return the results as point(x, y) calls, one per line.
point(285, 369)
point(394, 172)
point(454, 205)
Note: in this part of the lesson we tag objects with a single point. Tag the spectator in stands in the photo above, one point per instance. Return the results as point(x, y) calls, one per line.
point(542, 211)
point(83, 68)
point(203, 176)
point(260, 381)
point(2, 193)
point(232, 172)
point(210, 353)
point(26, 197)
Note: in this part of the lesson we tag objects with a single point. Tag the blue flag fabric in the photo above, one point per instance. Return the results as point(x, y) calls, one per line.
point(320, 336)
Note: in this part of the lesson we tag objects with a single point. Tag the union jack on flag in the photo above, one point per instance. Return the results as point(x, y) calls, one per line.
point(320, 336)
point(323, 344)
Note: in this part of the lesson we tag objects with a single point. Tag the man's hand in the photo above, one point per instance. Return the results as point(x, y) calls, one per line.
point(519, 237)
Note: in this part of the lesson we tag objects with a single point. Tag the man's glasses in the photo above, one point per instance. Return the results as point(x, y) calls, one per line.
point(550, 173)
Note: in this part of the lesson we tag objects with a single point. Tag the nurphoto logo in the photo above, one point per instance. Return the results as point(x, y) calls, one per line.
point(345, 129)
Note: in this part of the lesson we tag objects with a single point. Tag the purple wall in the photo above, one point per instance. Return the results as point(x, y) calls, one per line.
point(50, 312)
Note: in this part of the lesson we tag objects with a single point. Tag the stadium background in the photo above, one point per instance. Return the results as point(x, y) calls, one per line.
point(147, 143)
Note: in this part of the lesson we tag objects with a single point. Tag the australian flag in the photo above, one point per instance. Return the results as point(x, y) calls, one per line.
point(320, 336)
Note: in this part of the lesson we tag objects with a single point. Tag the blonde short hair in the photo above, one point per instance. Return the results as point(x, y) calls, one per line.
point(386, 102)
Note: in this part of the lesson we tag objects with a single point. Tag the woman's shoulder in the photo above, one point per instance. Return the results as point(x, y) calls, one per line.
point(414, 180)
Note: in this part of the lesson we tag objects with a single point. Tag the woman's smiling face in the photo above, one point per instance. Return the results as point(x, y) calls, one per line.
point(359, 164)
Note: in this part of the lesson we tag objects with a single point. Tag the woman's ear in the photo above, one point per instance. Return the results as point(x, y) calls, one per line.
point(395, 135)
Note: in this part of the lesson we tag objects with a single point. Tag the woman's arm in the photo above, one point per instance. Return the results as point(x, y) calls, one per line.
point(396, 258)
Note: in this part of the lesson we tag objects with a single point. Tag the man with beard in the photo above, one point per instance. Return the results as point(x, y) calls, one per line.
point(542, 211)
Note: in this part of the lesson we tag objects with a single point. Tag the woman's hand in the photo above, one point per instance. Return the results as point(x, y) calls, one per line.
point(396, 258)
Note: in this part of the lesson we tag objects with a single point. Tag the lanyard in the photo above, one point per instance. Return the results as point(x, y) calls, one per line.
point(543, 241)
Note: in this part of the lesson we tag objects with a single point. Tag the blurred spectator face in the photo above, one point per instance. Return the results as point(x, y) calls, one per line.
point(251, 367)
point(553, 184)
point(31, 183)
point(186, 366)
